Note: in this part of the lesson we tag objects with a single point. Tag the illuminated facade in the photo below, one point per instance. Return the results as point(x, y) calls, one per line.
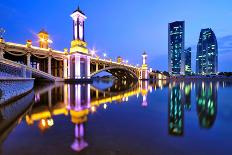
point(187, 59)
point(207, 53)
point(176, 45)
point(44, 40)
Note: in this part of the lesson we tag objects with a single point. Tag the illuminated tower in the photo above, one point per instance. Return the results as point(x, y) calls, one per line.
point(144, 72)
point(176, 45)
point(78, 44)
point(44, 40)
point(207, 53)
point(79, 59)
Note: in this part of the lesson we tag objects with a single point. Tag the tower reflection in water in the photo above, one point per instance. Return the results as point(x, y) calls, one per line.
point(78, 101)
point(206, 95)
point(180, 99)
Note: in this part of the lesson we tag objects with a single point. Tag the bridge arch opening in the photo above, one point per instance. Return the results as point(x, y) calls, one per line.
point(121, 73)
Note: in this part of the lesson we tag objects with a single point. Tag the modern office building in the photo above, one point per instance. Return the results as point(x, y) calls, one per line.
point(207, 53)
point(176, 45)
point(187, 58)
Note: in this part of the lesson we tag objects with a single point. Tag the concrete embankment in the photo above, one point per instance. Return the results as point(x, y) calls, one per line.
point(11, 88)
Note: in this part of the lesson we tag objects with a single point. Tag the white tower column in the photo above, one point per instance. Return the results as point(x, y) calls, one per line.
point(65, 68)
point(69, 67)
point(87, 67)
point(77, 66)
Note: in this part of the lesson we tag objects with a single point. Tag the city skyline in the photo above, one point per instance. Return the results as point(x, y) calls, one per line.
point(102, 31)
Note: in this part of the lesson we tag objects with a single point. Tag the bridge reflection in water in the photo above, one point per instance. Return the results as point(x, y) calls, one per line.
point(79, 100)
point(49, 107)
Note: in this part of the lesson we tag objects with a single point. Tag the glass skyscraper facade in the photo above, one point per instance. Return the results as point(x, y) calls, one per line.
point(187, 57)
point(176, 41)
point(207, 53)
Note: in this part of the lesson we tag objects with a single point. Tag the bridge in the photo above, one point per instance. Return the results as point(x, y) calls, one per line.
point(77, 63)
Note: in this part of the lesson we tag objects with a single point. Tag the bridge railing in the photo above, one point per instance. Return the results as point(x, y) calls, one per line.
point(114, 62)
point(12, 69)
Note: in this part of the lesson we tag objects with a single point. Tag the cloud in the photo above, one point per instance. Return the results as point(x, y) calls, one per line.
point(225, 44)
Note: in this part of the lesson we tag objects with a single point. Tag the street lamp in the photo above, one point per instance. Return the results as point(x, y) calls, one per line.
point(104, 55)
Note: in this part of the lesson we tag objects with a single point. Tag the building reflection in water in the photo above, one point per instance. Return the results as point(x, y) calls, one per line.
point(206, 95)
point(175, 110)
point(78, 101)
point(186, 95)
point(180, 99)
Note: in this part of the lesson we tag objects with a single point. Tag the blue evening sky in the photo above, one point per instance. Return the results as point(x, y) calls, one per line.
point(122, 27)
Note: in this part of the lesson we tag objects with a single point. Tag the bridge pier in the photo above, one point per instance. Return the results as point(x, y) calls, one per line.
point(96, 67)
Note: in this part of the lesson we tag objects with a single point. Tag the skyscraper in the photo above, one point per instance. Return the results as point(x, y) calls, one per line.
point(207, 53)
point(176, 40)
point(187, 59)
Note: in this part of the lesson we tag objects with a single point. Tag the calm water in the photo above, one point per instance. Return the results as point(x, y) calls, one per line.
point(112, 118)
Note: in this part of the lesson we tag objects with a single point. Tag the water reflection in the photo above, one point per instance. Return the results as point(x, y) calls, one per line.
point(180, 99)
point(206, 95)
point(175, 110)
point(77, 102)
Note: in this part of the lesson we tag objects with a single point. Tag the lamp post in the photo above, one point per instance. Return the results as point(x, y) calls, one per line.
point(104, 55)
point(127, 62)
point(93, 52)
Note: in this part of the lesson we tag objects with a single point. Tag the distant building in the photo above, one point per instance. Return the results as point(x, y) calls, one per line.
point(187, 58)
point(176, 45)
point(207, 53)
